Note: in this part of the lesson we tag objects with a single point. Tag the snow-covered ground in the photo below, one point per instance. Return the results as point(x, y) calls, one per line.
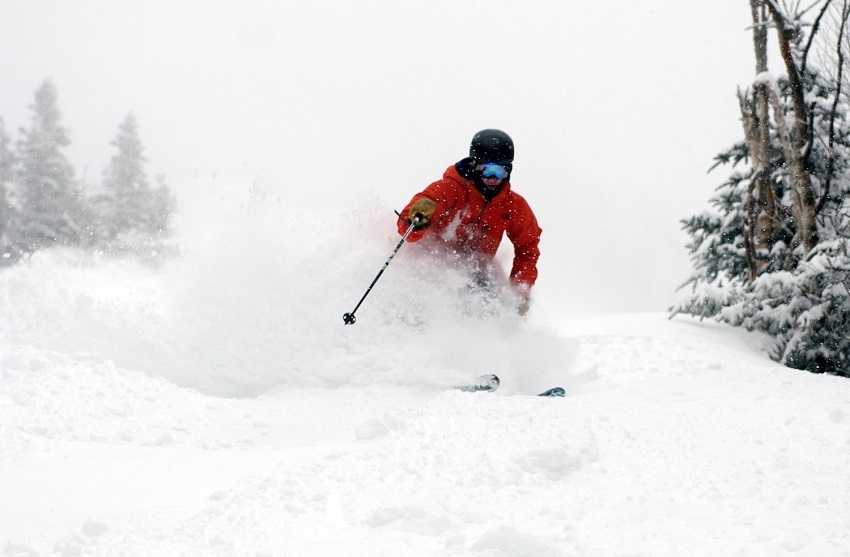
point(219, 406)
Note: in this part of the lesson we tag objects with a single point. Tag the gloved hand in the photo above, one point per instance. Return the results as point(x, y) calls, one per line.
point(423, 209)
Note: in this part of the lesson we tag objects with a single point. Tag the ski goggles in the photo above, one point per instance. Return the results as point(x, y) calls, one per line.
point(492, 170)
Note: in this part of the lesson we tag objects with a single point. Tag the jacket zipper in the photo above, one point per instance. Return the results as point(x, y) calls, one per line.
point(480, 228)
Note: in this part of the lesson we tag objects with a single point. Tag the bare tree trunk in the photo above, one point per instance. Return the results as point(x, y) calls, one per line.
point(795, 139)
point(803, 193)
point(751, 132)
point(761, 202)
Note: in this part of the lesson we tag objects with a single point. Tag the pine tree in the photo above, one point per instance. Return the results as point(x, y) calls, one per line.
point(6, 209)
point(134, 217)
point(125, 183)
point(163, 205)
point(48, 201)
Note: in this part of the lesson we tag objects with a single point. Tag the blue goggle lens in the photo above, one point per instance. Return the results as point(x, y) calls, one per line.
point(492, 170)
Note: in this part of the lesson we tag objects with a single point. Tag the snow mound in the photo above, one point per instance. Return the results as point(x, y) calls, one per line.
point(219, 406)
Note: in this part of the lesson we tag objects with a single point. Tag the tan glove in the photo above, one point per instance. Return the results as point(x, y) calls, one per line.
point(423, 209)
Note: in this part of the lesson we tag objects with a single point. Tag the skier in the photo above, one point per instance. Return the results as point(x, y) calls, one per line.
point(472, 207)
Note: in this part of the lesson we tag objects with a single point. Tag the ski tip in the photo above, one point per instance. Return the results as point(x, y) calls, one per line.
point(554, 392)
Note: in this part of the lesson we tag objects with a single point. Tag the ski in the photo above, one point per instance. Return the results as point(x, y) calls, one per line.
point(483, 383)
point(490, 382)
point(554, 392)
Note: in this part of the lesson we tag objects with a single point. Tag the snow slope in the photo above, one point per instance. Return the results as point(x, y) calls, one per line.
point(218, 406)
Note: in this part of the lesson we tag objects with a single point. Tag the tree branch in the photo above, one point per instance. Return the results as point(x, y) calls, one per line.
point(786, 34)
point(830, 168)
point(815, 27)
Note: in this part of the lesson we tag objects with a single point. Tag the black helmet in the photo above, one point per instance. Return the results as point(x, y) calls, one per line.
point(492, 146)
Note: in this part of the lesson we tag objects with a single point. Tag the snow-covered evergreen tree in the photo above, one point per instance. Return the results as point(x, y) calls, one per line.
point(47, 198)
point(6, 212)
point(132, 215)
point(754, 264)
point(163, 205)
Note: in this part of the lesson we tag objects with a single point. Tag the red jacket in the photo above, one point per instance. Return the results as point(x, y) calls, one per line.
point(467, 223)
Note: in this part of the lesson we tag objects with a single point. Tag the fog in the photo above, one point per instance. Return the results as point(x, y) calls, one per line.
point(616, 109)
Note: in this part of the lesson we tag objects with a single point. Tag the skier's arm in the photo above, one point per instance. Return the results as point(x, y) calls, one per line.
point(525, 236)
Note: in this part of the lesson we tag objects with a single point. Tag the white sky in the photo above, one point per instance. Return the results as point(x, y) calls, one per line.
point(616, 108)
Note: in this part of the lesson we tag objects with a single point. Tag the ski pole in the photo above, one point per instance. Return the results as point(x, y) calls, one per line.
point(348, 318)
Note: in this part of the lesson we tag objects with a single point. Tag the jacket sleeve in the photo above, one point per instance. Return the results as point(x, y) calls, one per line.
point(524, 233)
